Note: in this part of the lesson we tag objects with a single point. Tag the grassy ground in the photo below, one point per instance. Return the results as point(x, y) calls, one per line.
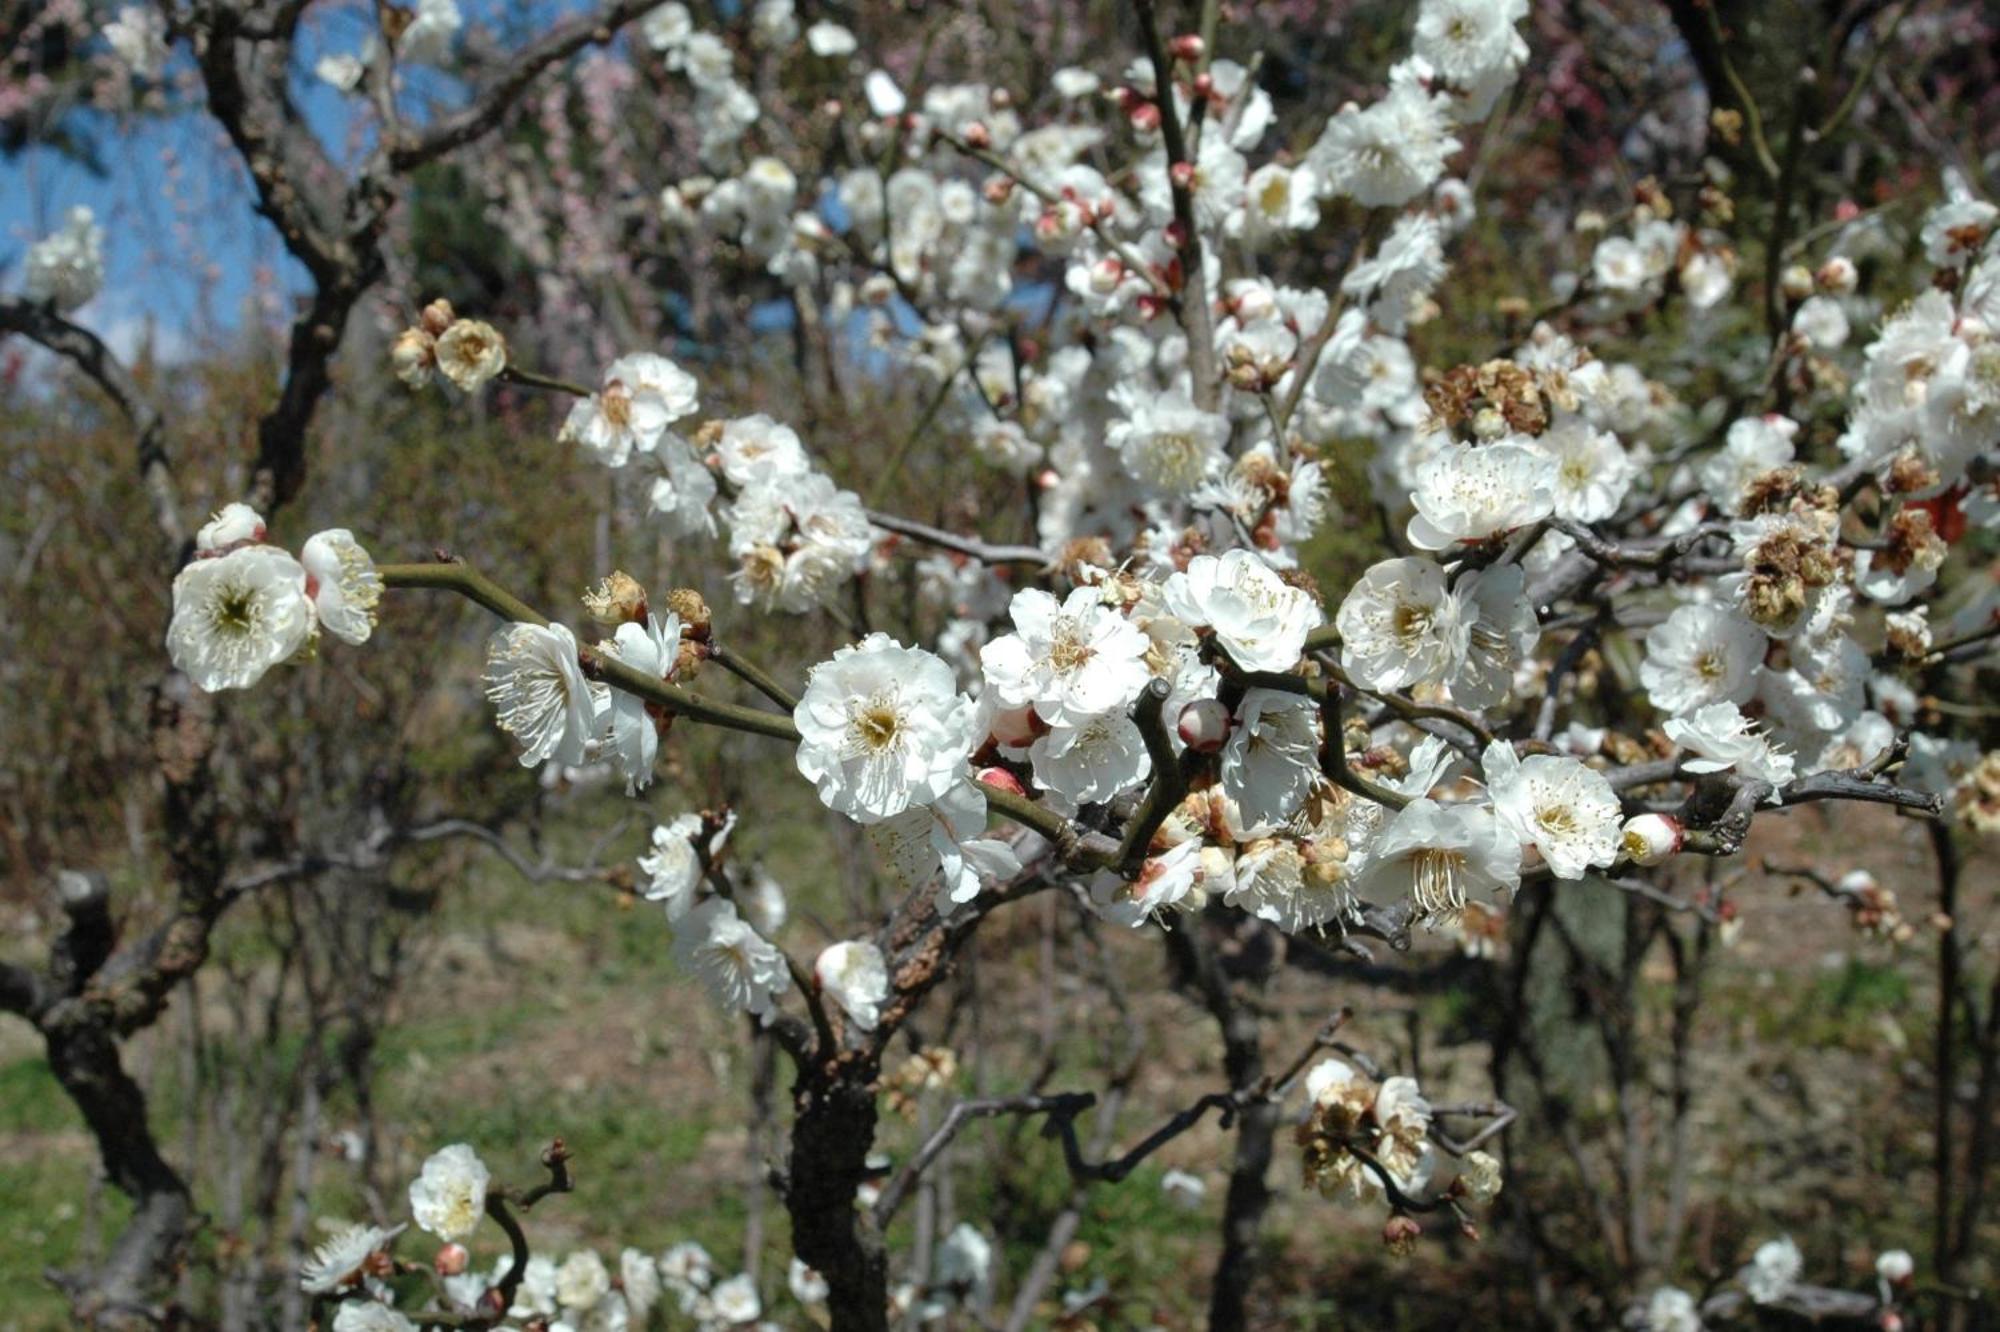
point(538, 1010)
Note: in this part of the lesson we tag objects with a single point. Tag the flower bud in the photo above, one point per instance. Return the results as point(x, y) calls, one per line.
point(616, 600)
point(451, 1260)
point(1182, 174)
point(1895, 1266)
point(233, 525)
point(1145, 117)
point(437, 317)
point(978, 136)
point(1188, 46)
point(1204, 84)
point(1649, 839)
point(997, 776)
point(414, 356)
point(1016, 727)
point(688, 604)
point(1837, 276)
point(1796, 282)
point(997, 191)
point(1400, 1234)
point(1205, 724)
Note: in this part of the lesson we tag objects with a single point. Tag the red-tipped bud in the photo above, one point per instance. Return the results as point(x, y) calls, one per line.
point(451, 1260)
point(1016, 727)
point(978, 135)
point(1204, 85)
point(998, 190)
point(1182, 174)
point(1205, 725)
point(1145, 117)
point(1188, 46)
point(1003, 779)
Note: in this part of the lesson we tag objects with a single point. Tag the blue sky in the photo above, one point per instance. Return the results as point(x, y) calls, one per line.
point(185, 255)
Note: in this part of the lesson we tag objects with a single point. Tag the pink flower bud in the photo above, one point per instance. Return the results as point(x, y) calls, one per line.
point(437, 317)
point(1205, 725)
point(998, 190)
point(978, 135)
point(1182, 174)
point(1837, 276)
point(1188, 46)
point(1016, 727)
point(1003, 779)
point(1204, 84)
point(451, 1260)
point(1145, 117)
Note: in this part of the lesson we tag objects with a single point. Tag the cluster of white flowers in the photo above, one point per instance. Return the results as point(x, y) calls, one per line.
point(66, 268)
point(242, 607)
point(579, 1293)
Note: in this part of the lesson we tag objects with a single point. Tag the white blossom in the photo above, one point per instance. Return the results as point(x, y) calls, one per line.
point(1259, 619)
point(1070, 659)
point(1564, 810)
point(536, 684)
point(238, 615)
point(852, 972)
point(882, 727)
point(741, 971)
point(448, 1197)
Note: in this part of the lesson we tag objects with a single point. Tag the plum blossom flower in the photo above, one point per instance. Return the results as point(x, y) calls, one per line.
point(448, 1197)
point(1703, 654)
point(1167, 444)
point(853, 973)
point(66, 269)
point(238, 615)
point(882, 728)
point(1091, 760)
point(470, 353)
point(1439, 855)
point(537, 687)
point(1070, 659)
point(673, 866)
point(741, 971)
point(946, 836)
point(1387, 154)
point(1773, 1270)
point(1566, 811)
point(1469, 493)
point(651, 649)
point(1259, 619)
point(340, 1260)
point(1722, 738)
point(1400, 625)
point(344, 584)
point(232, 525)
point(641, 397)
point(1271, 760)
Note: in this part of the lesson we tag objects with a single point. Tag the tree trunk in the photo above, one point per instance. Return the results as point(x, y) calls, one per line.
point(833, 1126)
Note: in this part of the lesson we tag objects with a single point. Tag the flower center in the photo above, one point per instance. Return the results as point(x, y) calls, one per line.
point(1435, 872)
point(1412, 621)
point(1558, 819)
point(877, 724)
point(1069, 650)
point(235, 611)
point(1710, 666)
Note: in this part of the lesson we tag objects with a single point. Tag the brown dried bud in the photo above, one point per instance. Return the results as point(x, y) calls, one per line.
point(616, 600)
point(437, 317)
point(688, 604)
